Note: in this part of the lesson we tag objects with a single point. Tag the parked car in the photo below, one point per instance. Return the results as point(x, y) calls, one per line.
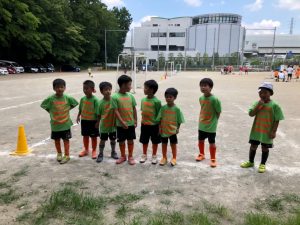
point(10, 69)
point(3, 71)
point(30, 68)
point(16, 66)
point(70, 68)
point(50, 67)
point(41, 68)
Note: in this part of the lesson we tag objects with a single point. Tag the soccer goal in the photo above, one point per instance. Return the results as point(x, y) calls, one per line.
point(169, 68)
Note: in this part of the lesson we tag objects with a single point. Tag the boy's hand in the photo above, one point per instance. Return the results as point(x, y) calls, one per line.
point(97, 125)
point(135, 123)
point(177, 130)
point(272, 135)
point(78, 119)
point(124, 125)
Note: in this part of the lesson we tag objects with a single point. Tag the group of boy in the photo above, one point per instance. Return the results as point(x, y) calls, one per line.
point(115, 117)
point(287, 74)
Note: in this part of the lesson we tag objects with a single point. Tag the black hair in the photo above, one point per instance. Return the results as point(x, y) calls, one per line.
point(171, 91)
point(104, 85)
point(207, 81)
point(152, 84)
point(89, 83)
point(59, 81)
point(124, 79)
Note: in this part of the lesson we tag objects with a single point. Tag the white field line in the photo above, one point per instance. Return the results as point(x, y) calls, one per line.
point(29, 103)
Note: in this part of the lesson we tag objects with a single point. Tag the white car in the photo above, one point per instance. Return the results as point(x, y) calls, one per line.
point(16, 66)
point(3, 71)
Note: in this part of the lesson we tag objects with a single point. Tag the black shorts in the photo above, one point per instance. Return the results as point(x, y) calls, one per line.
point(126, 134)
point(254, 142)
point(290, 74)
point(65, 135)
point(112, 136)
point(150, 131)
point(202, 135)
point(88, 128)
point(173, 139)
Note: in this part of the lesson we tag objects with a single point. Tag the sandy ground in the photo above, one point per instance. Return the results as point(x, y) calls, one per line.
point(228, 184)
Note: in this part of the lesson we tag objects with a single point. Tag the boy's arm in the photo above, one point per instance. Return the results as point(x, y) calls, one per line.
point(118, 115)
point(272, 135)
point(78, 117)
point(135, 116)
point(46, 104)
point(98, 121)
point(258, 107)
point(178, 127)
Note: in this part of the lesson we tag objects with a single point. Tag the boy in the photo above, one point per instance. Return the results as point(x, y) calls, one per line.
point(87, 112)
point(170, 117)
point(276, 75)
point(59, 106)
point(267, 116)
point(150, 107)
point(124, 105)
point(208, 120)
point(106, 119)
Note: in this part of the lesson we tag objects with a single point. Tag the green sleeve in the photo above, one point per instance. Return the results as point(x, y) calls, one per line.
point(180, 117)
point(253, 107)
point(99, 108)
point(157, 106)
point(114, 102)
point(217, 106)
point(72, 102)
point(158, 118)
point(278, 113)
point(80, 104)
point(46, 104)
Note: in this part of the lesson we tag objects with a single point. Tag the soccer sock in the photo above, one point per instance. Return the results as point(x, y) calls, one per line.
point(252, 155)
point(94, 143)
point(101, 147)
point(122, 149)
point(201, 147)
point(164, 150)
point(145, 147)
point(154, 149)
point(86, 140)
point(67, 147)
point(212, 150)
point(57, 146)
point(264, 156)
point(174, 150)
point(130, 149)
point(113, 146)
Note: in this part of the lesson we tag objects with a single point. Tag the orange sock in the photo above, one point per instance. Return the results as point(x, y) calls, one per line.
point(86, 140)
point(201, 147)
point(154, 149)
point(67, 147)
point(122, 149)
point(212, 149)
point(130, 149)
point(145, 147)
point(57, 146)
point(94, 143)
point(164, 150)
point(174, 150)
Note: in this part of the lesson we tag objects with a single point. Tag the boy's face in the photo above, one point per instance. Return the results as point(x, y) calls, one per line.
point(106, 92)
point(147, 90)
point(126, 87)
point(205, 89)
point(264, 95)
point(170, 99)
point(59, 89)
point(87, 90)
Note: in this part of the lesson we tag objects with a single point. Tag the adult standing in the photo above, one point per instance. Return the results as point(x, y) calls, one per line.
point(290, 71)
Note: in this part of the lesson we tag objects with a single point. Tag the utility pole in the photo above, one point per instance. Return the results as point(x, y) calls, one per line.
point(213, 55)
point(292, 26)
point(158, 49)
point(273, 46)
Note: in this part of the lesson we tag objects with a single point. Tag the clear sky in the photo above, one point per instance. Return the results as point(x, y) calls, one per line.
point(255, 13)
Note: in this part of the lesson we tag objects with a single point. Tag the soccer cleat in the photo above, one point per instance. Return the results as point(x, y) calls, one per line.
point(59, 157)
point(94, 154)
point(65, 159)
point(213, 163)
point(154, 159)
point(143, 158)
point(121, 160)
point(173, 162)
point(114, 155)
point(163, 161)
point(131, 161)
point(262, 168)
point(200, 157)
point(99, 158)
point(83, 153)
point(247, 164)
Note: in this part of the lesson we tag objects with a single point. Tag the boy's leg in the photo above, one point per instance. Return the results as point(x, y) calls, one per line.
point(201, 145)
point(164, 147)
point(121, 135)
point(156, 139)
point(85, 152)
point(174, 154)
point(252, 153)
point(112, 138)
point(130, 145)
point(58, 150)
point(144, 139)
point(101, 149)
point(66, 157)
point(94, 147)
point(264, 158)
point(212, 150)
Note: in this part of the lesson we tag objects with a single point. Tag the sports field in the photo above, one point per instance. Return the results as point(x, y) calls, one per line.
point(35, 189)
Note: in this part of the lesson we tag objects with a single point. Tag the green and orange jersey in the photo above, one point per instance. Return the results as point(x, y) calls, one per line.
point(125, 103)
point(108, 117)
point(170, 119)
point(150, 108)
point(59, 110)
point(88, 108)
point(210, 110)
point(264, 121)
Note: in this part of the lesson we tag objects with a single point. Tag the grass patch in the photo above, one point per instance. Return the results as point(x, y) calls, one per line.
point(122, 211)
point(23, 216)
point(275, 203)
point(8, 196)
point(77, 183)
point(107, 174)
point(259, 219)
point(125, 198)
point(165, 202)
point(219, 210)
point(4, 185)
point(167, 192)
point(21, 173)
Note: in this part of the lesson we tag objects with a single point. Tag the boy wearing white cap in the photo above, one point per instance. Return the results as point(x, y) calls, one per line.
point(267, 115)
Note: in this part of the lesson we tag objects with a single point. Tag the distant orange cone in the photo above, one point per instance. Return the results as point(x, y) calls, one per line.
point(22, 147)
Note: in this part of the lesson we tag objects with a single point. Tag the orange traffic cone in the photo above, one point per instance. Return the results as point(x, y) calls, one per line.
point(22, 147)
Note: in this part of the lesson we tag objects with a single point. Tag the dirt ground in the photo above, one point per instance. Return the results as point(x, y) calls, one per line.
point(189, 181)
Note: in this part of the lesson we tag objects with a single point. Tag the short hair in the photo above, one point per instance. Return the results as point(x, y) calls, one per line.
point(152, 84)
point(207, 81)
point(124, 79)
point(104, 85)
point(89, 83)
point(59, 81)
point(171, 91)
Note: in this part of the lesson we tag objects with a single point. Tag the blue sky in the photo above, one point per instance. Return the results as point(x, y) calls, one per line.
point(255, 13)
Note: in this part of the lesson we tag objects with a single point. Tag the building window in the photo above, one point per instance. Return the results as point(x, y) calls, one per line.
point(176, 48)
point(176, 34)
point(155, 34)
point(161, 48)
point(177, 25)
point(155, 25)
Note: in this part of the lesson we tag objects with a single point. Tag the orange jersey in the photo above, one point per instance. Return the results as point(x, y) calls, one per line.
point(276, 73)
